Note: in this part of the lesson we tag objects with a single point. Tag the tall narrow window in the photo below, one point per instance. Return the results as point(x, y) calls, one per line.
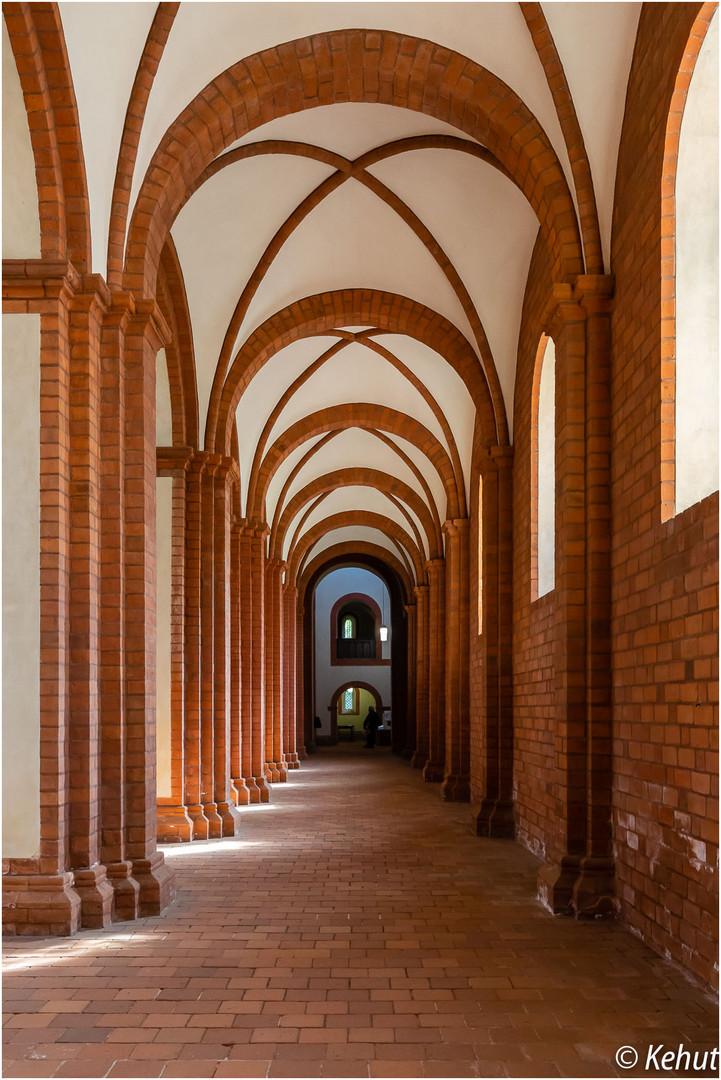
point(690, 315)
point(349, 701)
point(348, 627)
point(543, 471)
point(479, 575)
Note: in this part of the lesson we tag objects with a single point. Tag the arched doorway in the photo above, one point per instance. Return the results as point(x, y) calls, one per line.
point(349, 722)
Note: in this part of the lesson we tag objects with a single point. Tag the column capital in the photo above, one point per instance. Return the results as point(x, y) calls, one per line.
point(496, 458)
point(594, 292)
point(149, 321)
point(253, 527)
point(561, 309)
point(420, 592)
point(435, 567)
point(454, 526)
point(28, 284)
point(93, 295)
point(172, 460)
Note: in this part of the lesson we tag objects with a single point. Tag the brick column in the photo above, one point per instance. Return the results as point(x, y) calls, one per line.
point(495, 816)
point(290, 732)
point(435, 767)
point(38, 893)
point(193, 637)
point(457, 782)
point(252, 640)
point(274, 759)
point(174, 821)
point(410, 747)
point(225, 475)
point(422, 733)
point(207, 646)
point(299, 688)
point(96, 893)
point(113, 749)
point(578, 873)
point(239, 741)
point(145, 335)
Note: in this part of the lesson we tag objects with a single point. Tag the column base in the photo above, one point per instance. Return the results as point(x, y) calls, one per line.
point(456, 789)
point(230, 817)
point(240, 792)
point(126, 889)
point(495, 818)
point(433, 773)
point(96, 896)
point(40, 905)
point(156, 881)
point(174, 825)
point(215, 822)
point(292, 761)
point(419, 760)
point(582, 886)
point(200, 828)
point(408, 753)
point(261, 784)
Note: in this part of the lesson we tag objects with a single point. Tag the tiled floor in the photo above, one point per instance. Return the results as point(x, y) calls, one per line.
point(356, 928)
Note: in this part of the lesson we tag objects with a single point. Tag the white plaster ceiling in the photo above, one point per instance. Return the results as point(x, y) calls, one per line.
point(105, 43)
point(21, 221)
point(595, 44)
point(352, 239)
point(353, 448)
point(351, 498)
point(364, 535)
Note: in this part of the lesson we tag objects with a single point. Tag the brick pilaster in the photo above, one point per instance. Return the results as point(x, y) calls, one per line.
point(456, 783)
point(422, 733)
point(495, 817)
point(410, 741)
point(435, 767)
point(578, 873)
point(290, 651)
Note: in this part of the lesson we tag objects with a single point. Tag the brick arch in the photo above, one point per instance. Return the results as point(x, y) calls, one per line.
point(355, 517)
point(668, 256)
point(320, 314)
point(147, 68)
point(38, 44)
point(349, 477)
point(348, 685)
point(357, 169)
point(352, 65)
point(361, 415)
point(357, 552)
point(180, 353)
point(364, 337)
point(373, 607)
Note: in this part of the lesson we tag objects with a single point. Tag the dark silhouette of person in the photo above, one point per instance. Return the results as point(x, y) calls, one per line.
point(370, 725)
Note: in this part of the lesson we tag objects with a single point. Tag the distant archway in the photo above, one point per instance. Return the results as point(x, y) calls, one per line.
point(333, 706)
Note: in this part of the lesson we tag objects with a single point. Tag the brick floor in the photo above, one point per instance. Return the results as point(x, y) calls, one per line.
point(355, 928)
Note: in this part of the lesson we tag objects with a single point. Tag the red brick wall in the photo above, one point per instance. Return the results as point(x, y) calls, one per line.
point(665, 574)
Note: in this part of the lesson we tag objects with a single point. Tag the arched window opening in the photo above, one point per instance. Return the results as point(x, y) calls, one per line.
point(357, 630)
point(690, 233)
point(479, 574)
point(543, 471)
point(349, 701)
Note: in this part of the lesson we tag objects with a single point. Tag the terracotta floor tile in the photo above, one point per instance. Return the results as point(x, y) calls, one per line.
point(357, 929)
